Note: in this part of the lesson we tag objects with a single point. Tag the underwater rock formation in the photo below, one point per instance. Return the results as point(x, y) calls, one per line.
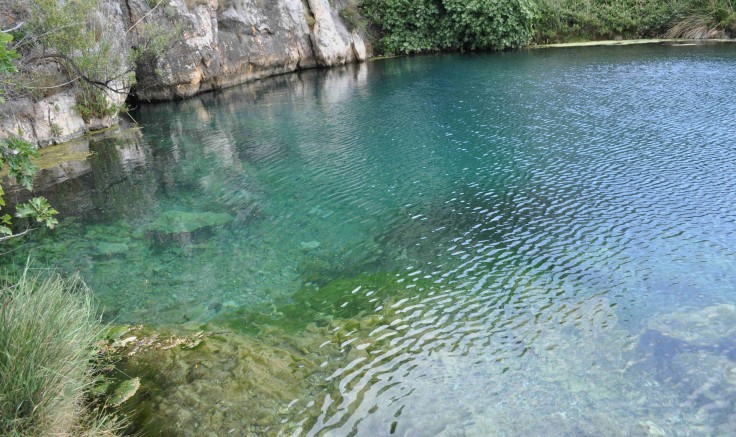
point(177, 222)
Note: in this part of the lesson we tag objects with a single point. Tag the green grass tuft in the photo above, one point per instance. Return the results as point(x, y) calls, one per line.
point(48, 334)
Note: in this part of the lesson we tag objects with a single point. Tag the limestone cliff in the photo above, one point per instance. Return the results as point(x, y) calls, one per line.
point(227, 42)
point(217, 43)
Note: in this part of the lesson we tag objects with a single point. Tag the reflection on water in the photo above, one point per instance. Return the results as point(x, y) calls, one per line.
point(511, 244)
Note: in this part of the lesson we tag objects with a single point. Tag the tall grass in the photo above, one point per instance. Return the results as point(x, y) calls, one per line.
point(703, 19)
point(48, 332)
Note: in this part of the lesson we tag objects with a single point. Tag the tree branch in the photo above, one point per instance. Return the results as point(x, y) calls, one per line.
point(13, 28)
point(71, 64)
point(8, 237)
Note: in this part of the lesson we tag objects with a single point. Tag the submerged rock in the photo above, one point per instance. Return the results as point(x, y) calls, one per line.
point(309, 245)
point(228, 381)
point(108, 248)
point(696, 351)
point(179, 222)
point(706, 327)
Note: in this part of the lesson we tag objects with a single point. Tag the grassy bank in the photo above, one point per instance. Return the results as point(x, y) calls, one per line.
point(48, 338)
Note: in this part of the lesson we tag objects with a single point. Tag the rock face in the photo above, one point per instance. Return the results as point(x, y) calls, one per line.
point(221, 43)
point(55, 119)
point(227, 42)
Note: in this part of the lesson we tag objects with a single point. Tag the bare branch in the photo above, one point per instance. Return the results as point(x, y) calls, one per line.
point(8, 237)
point(13, 28)
point(72, 65)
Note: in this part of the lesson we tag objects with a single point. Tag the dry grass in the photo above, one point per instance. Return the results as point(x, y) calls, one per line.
point(695, 27)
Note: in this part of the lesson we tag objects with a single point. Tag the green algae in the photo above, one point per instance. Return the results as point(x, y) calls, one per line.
point(229, 381)
point(124, 391)
point(54, 156)
point(343, 298)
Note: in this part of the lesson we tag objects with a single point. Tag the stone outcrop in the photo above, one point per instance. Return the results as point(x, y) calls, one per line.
point(216, 44)
point(227, 42)
point(55, 118)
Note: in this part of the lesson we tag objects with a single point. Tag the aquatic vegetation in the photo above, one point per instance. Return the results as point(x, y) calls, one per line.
point(124, 391)
point(228, 381)
point(320, 304)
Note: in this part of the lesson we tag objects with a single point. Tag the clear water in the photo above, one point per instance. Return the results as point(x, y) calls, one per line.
point(542, 242)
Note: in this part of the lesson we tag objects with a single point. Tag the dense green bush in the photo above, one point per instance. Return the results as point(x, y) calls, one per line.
point(427, 25)
point(490, 24)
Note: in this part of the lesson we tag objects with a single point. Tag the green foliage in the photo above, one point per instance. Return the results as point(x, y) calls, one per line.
point(93, 103)
point(7, 58)
point(569, 20)
point(48, 337)
point(409, 26)
point(60, 26)
point(16, 154)
point(427, 25)
point(497, 24)
point(39, 209)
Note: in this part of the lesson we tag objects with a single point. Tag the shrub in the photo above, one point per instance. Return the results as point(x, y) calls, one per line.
point(427, 25)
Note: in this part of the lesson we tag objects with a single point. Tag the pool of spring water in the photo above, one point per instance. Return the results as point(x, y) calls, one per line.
point(539, 242)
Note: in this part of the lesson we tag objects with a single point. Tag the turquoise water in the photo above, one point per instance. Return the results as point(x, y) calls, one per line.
point(553, 232)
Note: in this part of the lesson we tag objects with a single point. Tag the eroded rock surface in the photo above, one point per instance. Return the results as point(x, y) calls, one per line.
point(230, 42)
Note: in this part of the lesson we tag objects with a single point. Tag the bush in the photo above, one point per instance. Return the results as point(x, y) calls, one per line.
point(569, 20)
point(48, 333)
point(427, 25)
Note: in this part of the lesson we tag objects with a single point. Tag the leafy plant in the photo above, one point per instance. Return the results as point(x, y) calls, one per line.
point(16, 154)
point(428, 25)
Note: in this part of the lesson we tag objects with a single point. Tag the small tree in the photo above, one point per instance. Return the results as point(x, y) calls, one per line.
point(16, 154)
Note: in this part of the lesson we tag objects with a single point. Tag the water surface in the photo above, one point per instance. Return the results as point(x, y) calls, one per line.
point(526, 243)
